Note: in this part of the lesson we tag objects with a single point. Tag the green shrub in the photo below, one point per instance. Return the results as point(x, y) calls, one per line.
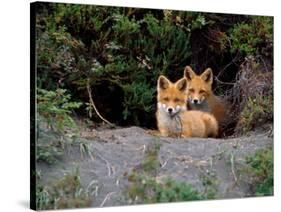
point(63, 193)
point(48, 152)
point(121, 52)
point(173, 191)
point(254, 37)
point(261, 171)
point(55, 108)
point(77, 44)
point(137, 97)
point(145, 189)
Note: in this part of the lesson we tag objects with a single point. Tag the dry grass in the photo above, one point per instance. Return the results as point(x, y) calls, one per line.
point(251, 97)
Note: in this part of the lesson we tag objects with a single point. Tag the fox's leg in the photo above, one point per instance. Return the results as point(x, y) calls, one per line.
point(211, 125)
point(164, 132)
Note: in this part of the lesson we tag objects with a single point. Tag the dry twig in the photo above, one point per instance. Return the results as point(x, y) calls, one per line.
point(93, 104)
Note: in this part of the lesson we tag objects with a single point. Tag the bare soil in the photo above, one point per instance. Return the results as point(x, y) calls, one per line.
point(116, 152)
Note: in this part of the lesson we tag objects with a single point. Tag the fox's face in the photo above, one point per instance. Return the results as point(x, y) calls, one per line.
point(199, 86)
point(171, 97)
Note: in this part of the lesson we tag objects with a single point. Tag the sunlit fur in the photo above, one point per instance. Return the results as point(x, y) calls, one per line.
point(172, 116)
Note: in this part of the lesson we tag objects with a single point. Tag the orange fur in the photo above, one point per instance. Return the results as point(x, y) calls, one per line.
point(200, 94)
point(172, 116)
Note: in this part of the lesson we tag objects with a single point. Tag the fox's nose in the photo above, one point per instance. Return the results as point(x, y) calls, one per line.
point(170, 110)
point(195, 101)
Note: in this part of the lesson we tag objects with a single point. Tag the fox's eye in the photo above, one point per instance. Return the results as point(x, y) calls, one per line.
point(166, 99)
point(176, 99)
point(201, 91)
point(191, 90)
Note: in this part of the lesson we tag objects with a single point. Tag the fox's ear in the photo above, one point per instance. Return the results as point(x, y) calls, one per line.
point(207, 75)
point(189, 73)
point(163, 83)
point(182, 84)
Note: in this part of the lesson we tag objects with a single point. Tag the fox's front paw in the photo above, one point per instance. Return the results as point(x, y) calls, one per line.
point(185, 136)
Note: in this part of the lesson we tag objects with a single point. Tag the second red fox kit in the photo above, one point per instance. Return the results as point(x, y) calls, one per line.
point(172, 116)
point(200, 94)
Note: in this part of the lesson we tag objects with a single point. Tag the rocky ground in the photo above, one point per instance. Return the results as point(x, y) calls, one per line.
point(116, 152)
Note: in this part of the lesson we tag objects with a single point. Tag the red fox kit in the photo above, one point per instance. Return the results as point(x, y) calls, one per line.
point(172, 116)
point(200, 94)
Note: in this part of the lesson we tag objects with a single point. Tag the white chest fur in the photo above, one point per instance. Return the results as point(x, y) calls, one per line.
point(172, 124)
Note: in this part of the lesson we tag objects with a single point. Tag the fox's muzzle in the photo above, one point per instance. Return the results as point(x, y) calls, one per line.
point(195, 101)
point(172, 111)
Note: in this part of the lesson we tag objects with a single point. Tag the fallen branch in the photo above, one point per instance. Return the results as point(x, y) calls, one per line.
point(93, 104)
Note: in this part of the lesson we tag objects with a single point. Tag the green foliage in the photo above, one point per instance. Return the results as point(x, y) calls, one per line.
point(138, 96)
point(121, 52)
point(48, 152)
point(261, 169)
point(124, 25)
point(199, 22)
point(81, 43)
point(253, 38)
point(146, 189)
point(55, 107)
point(173, 191)
point(63, 193)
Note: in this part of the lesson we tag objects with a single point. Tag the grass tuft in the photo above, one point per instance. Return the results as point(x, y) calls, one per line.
point(63, 193)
